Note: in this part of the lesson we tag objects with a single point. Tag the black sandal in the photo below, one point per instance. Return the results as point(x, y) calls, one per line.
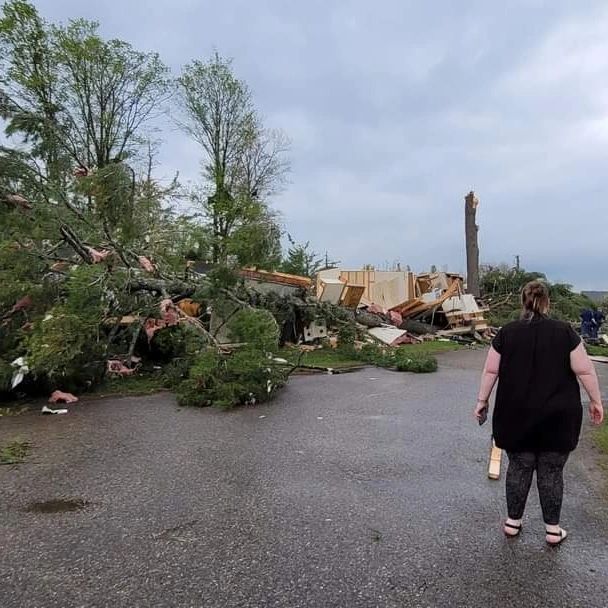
point(562, 534)
point(513, 527)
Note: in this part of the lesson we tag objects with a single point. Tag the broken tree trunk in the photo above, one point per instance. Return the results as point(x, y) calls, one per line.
point(471, 203)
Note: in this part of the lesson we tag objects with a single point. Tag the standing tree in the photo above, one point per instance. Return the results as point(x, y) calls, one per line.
point(244, 163)
point(108, 92)
point(301, 260)
point(79, 104)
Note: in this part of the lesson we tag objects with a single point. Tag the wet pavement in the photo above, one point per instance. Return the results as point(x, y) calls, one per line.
point(359, 490)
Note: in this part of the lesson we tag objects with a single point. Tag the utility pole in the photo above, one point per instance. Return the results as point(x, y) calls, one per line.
point(471, 202)
point(517, 263)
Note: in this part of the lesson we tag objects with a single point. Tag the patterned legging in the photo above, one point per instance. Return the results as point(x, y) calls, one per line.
point(549, 467)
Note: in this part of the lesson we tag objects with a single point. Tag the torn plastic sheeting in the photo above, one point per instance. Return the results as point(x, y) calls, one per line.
point(22, 304)
point(169, 312)
point(47, 410)
point(61, 397)
point(146, 264)
point(376, 310)
point(395, 318)
point(151, 326)
point(98, 256)
point(19, 374)
point(118, 367)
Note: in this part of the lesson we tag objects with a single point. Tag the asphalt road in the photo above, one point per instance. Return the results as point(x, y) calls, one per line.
point(360, 490)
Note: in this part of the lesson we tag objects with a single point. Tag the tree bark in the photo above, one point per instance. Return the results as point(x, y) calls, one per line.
point(471, 229)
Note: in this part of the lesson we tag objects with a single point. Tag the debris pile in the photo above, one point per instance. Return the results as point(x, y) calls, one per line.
point(383, 308)
point(403, 308)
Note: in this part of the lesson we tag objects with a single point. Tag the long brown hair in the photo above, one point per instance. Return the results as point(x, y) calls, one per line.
point(534, 300)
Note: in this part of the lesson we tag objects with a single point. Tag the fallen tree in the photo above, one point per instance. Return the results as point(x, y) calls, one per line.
point(99, 258)
point(501, 288)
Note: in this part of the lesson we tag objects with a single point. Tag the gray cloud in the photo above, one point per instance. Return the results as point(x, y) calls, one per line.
point(396, 109)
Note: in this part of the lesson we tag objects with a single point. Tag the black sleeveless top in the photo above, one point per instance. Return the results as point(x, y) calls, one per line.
point(538, 402)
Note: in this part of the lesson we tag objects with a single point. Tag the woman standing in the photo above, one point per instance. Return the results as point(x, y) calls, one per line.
point(538, 412)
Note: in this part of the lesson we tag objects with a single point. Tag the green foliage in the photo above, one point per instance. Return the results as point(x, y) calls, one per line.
point(256, 240)
point(246, 376)
point(401, 358)
point(301, 260)
point(597, 350)
point(347, 335)
point(65, 347)
point(501, 287)
point(112, 188)
point(288, 308)
point(257, 328)
point(6, 374)
point(502, 280)
point(174, 343)
point(139, 384)
point(79, 105)
point(244, 163)
point(72, 93)
point(175, 372)
point(86, 292)
point(219, 279)
point(421, 364)
point(600, 436)
point(333, 358)
point(567, 305)
point(374, 354)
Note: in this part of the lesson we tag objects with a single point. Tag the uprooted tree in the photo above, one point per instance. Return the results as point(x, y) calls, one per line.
point(501, 287)
point(93, 249)
point(101, 267)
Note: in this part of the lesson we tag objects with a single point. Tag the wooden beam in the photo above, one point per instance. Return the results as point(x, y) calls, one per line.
point(494, 463)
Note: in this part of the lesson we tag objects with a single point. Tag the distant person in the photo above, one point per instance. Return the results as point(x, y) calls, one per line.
point(538, 413)
point(598, 320)
point(586, 322)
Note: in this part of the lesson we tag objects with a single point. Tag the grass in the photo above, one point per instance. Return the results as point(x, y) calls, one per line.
point(336, 359)
point(601, 438)
point(432, 347)
point(325, 357)
point(597, 351)
point(14, 452)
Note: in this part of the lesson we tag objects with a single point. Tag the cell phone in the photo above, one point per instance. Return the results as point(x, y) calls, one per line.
point(484, 416)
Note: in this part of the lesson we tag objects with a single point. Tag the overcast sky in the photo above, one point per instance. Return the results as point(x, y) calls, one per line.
point(396, 109)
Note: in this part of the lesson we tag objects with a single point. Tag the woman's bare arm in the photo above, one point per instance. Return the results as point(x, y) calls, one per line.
point(489, 375)
point(488, 380)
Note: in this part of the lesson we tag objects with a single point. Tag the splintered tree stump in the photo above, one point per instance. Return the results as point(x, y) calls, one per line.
point(472, 245)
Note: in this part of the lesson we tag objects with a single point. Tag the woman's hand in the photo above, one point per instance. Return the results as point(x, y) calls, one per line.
point(479, 409)
point(596, 411)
